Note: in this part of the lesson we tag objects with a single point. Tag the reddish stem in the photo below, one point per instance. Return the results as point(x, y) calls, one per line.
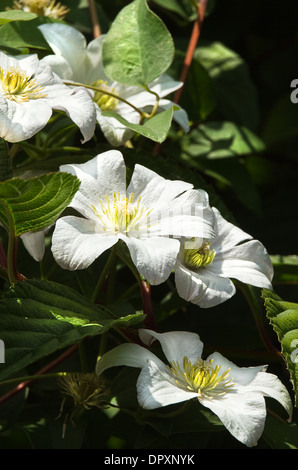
point(94, 19)
point(196, 31)
point(44, 370)
point(147, 306)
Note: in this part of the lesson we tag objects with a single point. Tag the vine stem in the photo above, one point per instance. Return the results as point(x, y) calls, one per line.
point(147, 306)
point(196, 31)
point(114, 95)
point(94, 19)
point(42, 371)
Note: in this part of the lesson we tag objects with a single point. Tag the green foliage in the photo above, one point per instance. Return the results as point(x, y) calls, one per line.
point(155, 128)
point(33, 204)
point(17, 37)
point(135, 30)
point(39, 317)
point(283, 317)
point(15, 15)
point(6, 171)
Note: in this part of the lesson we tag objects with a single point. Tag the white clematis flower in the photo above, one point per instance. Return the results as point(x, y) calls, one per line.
point(204, 267)
point(235, 394)
point(144, 215)
point(76, 61)
point(29, 92)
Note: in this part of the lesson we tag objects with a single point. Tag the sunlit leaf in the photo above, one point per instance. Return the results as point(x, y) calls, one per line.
point(155, 128)
point(15, 15)
point(33, 204)
point(39, 317)
point(283, 317)
point(135, 31)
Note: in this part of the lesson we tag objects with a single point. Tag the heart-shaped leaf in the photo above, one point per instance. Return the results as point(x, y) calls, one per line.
point(138, 47)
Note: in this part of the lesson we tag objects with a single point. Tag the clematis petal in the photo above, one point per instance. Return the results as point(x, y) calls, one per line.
point(100, 177)
point(202, 287)
point(248, 262)
point(21, 121)
point(34, 243)
point(67, 42)
point(94, 68)
point(76, 244)
point(228, 234)
point(127, 354)
point(156, 388)
point(154, 258)
point(153, 189)
point(242, 413)
point(270, 386)
point(59, 66)
point(175, 344)
point(189, 215)
point(240, 375)
point(80, 108)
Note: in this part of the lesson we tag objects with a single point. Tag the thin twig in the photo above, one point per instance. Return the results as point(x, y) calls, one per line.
point(196, 31)
point(94, 19)
point(44, 370)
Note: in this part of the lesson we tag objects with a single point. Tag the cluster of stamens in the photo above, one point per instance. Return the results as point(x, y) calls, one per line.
point(42, 8)
point(121, 215)
point(201, 378)
point(16, 86)
point(105, 100)
point(198, 257)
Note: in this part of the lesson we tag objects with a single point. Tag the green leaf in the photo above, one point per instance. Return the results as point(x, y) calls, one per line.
point(33, 204)
point(283, 317)
point(280, 434)
point(183, 8)
point(218, 139)
point(285, 269)
point(198, 96)
point(216, 148)
point(235, 90)
point(138, 47)
point(21, 35)
point(40, 317)
point(5, 162)
point(15, 15)
point(155, 128)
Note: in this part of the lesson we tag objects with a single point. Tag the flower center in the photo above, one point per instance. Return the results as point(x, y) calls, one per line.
point(105, 101)
point(198, 257)
point(16, 86)
point(122, 214)
point(42, 8)
point(202, 378)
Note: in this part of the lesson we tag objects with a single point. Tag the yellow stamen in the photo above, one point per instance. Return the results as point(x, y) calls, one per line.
point(105, 101)
point(16, 86)
point(198, 258)
point(42, 8)
point(121, 215)
point(201, 378)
